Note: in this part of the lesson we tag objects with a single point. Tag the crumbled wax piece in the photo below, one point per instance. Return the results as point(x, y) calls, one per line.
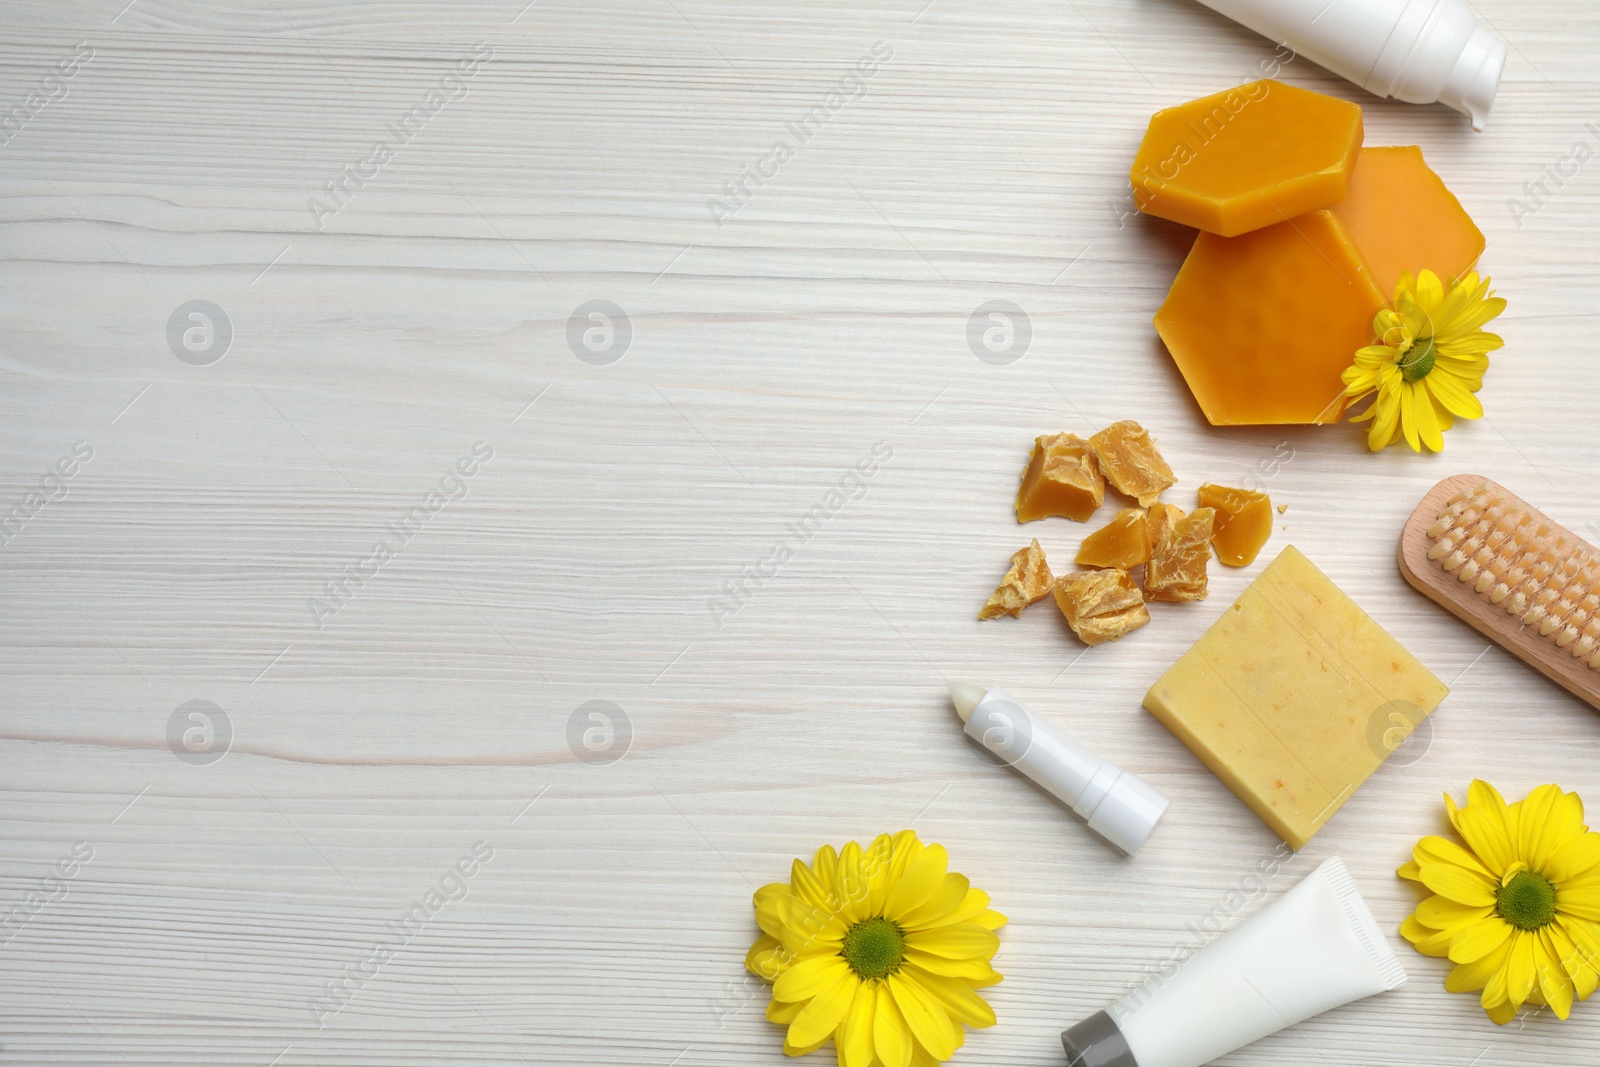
point(1101, 605)
point(1247, 157)
point(1180, 547)
point(1402, 217)
point(1242, 525)
point(1062, 478)
point(1130, 462)
point(1294, 697)
point(1026, 582)
point(1123, 542)
point(1283, 509)
point(1261, 326)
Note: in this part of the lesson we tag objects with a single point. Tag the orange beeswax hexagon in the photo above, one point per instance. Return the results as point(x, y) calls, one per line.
point(1247, 157)
point(1402, 218)
point(1261, 325)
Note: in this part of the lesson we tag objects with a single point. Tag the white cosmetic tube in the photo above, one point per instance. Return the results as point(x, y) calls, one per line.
point(1313, 949)
point(1119, 806)
point(1418, 51)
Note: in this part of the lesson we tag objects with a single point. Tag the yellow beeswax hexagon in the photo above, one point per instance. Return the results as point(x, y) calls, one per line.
point(1262, 325)
point(1247, 157)
point(1403, 219)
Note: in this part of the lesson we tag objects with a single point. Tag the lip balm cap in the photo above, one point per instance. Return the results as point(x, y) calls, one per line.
point(1471, 86)
point(1097, 1042)
point(1128, 813)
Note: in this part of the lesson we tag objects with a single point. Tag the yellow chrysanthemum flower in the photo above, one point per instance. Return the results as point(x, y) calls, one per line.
point(880, 950)
point(1430, 361)
point(1518, 909)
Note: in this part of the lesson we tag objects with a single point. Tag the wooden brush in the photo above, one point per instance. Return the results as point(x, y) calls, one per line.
point(1522, 580)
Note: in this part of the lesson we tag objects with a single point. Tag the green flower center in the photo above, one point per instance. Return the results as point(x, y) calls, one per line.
point(1417, 361)
point(1527, 902)
point(874, 948)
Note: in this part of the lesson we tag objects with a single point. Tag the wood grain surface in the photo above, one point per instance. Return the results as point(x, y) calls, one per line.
point(398, 659)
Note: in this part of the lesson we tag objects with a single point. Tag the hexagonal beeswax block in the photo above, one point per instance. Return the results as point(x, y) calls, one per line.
point(1261, 325)
point(1247, 157)
point(1402, 217)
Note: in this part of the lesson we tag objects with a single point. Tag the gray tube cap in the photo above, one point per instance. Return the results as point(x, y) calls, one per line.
point(1096, 1042)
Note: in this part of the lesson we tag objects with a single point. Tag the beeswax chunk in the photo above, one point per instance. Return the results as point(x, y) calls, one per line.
point(1130, 462)
point(1243, 523)
point(1062, 478)
point(1294, 697)
point(1026, 582)
point(1402, 218)
point(1246, 158)
point(1262, 325)
point(1100, 606)
point(1123, 542)
point(1180, 547)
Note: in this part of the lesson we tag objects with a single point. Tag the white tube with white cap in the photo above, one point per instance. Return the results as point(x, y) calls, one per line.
point(1419, 51)
point(1121, 807)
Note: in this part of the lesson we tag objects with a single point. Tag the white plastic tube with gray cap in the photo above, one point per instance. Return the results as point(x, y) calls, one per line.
point(1121, 807)
point(1419, 51)
point(1311, 950)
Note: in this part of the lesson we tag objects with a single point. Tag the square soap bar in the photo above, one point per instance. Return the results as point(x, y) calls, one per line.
point(1294, 697)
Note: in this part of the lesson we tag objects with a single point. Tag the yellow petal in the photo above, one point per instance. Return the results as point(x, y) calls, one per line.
point(1436, 849)
point(851, 889)
point(906, 847)
point(1563, 824)
point(958, 999)
point(1482, 825)
point(921, 880)
point(808, 887)
point(1427, 941)
point(952, 892)
point(1458, 884)
point(1554, 985)
point(972, 905)
point(1386, 427)
point(1501, 1013)
point(1579, 898)
point(1453, 393)
point(891, 1037)
point(766, 958)
point(1575, 857)
point(1477, 940)
point(973, 970)
point(1474, 976)
point(1409, 871)
point(1536, 826)
point(875, 864)
point(1419, 411)
point(783, 1013)
point(959, 942)
point(991, 920)
point(926, 1017)
point(854, 1039)
point(822, 1016)
point(825, 862)
point(1520, 974)
point(1438, 913)
point(810, 977)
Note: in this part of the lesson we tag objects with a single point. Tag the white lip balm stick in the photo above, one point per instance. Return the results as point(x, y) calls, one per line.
point(1121, 807)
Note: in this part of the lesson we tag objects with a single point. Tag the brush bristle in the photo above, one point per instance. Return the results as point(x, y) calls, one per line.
point(1513, 557)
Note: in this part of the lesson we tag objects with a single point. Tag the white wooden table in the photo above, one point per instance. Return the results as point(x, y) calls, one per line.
point(377, 734)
